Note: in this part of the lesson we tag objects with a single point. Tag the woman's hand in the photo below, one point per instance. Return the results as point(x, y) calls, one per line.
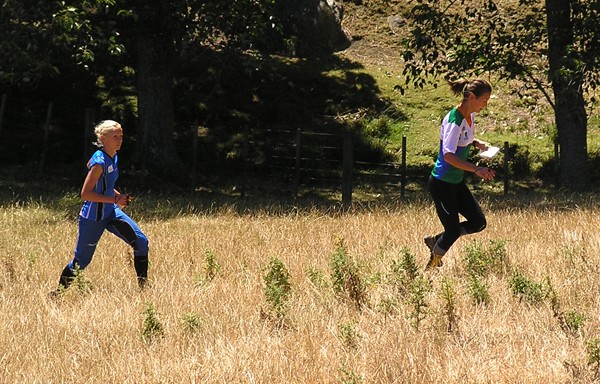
point(485, 173)
point(122, 200)
point(481, 145)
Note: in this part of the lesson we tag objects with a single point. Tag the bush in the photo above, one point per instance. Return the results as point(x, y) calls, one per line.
point(191, 322)
point(593, 351)
point(417, 300)
point(478, 290)
point(152, 326)
point(525, 288)
point(277, 287)
point(480, 261)
point(345, 276)
point(449, 296)
point(405, 271)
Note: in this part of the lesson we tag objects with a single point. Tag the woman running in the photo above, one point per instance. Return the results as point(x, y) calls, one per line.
point(446, 182)
point(102, 208)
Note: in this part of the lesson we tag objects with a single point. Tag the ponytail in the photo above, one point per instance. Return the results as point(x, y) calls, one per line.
point(465, 87)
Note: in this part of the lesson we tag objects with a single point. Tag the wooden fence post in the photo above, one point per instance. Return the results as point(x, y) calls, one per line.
point(556, 164)
point(143, 127)
point(347, 172)
point(2, 109)
point(90, 120)
point(505, 168)
point(46, 137)
point(245, 160)
point(194, 155)
point(298, 162)
point(403, 169)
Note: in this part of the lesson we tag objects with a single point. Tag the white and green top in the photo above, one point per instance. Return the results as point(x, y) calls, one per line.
point(456, 136)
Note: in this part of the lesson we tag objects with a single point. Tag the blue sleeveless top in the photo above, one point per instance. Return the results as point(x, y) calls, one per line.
point(105, 186)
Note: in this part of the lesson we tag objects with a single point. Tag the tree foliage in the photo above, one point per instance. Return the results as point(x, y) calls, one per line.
point(35, 35)
point(451, 38)
point(511, 40)
point(105, 39)
point(456, 38)
point(39, 35)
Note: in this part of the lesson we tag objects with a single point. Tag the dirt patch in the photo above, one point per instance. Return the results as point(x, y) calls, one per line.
point(372, 53)
point(376, 40)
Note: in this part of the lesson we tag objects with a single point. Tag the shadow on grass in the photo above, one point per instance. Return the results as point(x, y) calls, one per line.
point(20, 187)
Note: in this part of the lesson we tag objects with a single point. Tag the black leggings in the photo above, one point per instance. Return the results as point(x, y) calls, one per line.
point(450, 201)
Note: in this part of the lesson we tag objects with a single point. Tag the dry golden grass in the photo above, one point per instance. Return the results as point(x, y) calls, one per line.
point(97, 337)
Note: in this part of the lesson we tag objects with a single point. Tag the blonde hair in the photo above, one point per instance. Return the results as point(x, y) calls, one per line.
point(102, 128)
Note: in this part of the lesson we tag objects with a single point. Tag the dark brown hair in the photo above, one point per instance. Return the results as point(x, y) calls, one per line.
point(464, 87)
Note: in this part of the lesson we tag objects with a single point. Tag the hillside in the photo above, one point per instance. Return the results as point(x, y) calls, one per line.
point(523, 119)
point(374, 42)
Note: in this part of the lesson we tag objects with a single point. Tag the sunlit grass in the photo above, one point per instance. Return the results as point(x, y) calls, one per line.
point(190, 329)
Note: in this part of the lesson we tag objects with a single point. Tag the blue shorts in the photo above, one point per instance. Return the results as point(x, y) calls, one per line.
point(119, 224)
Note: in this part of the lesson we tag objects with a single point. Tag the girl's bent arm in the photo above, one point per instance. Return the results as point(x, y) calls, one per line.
point(483, 172)
point(87, 191)
point(459, 163)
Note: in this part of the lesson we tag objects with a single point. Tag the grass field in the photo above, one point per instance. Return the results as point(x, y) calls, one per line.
point(517, 303)
point(312, 295)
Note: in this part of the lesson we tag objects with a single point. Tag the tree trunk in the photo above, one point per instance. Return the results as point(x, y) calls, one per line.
point(566, 76)
point(156, 148)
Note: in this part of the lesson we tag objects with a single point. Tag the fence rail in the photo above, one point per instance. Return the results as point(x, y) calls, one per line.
point(340, 166)
point(299, 158)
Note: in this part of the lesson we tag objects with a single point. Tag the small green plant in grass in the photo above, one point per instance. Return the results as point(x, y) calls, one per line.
point(574, 321)
point(346, 278)
point(211, 266)
point(554, 301)
point(573, 252)
point(277, 287)
point(374, 278)
point(593, 352)
point(570, 321)
point(448, 294)
point(556, 307)
point(525, 288)
point(191, 322)
point(339, 265)
point(152, 326)
point(417, 300)
point(387, 306)
point(348, 335)
point(482, 261)
point(478, 290)
point(349, 377)
point(405, 271)
point(378, 128)
point(316, 277)
point(80, 283)
point(32, 259)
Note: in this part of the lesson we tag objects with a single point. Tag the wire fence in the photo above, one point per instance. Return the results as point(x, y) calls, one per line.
point(332, 161)
point(298, 159)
